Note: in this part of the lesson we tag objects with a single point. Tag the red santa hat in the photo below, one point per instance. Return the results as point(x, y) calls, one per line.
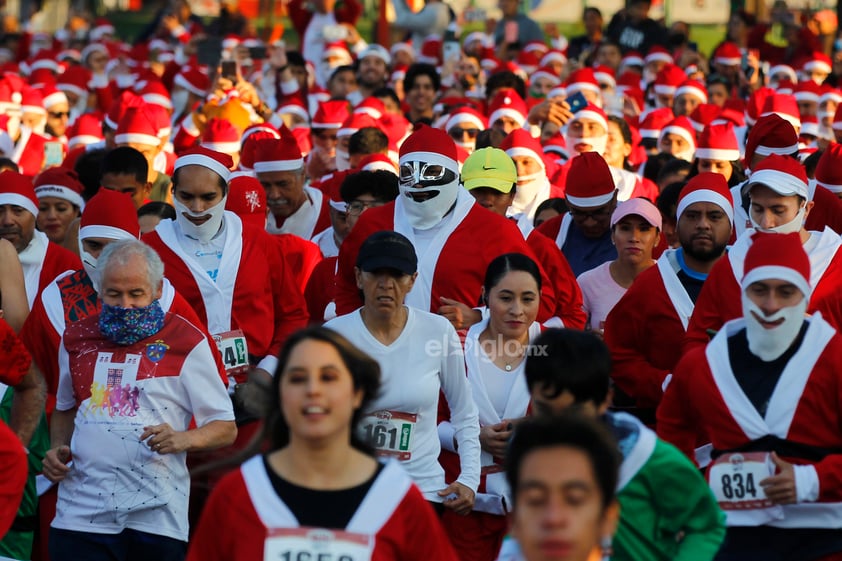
point(528, 61)
point(784, 69)
point(547, 73)
point(771, 135)
point(818, 62)
point(156, 93)
point(193, 80)
point(402, 47)
point(784, 105)
point(668, 79)
point(589, 181)
point(119, 106)
point(605, 76)
point(247, 199)
point(101, 28)
point(553, 55)
point(330, 186)
point(728, 54)
point(42, 78)
point(809, 126)
point(754, 105)
point(294, 106)
point(61, 183)
point(74, 80)
point(44, 59)
point(430, 51)
point(93, 48)
point(16, 189)
point(703, 115)
point(221, 136)
point(593, 113)
point(718, 142)
point(430, 145)
point(507, 103)
point(86, 129)
point(682, 127)
point(136, 126)
point(111, 215)
point(632, 58)
point(658, 54)
point(32, 101)
point(282, 154)
point(331, 114)
point(375, 162)
point(778, 257)
point(372, 106)
point(581, 80)
point(215, 161)
point(707, 187)
point(468, 115)
point(783, 174)
point(556, 146)
point(378, 51)
point(356, 122)
point(693, 88)
point(537, 47)
point(53, 96)
point(831, 94)
point(520, 143)
point(829, 168)
point(807, 90)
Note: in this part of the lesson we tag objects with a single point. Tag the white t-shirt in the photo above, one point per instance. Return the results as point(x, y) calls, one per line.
point(425, 358)
point(600, 293)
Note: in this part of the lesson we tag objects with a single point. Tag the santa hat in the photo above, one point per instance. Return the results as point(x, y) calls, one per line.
point(507, 103)
point(402, 47)
point(430, 145)
point(430, 51)
point(282, 154)
point(785, 69)
point(589, 181)
point(605, 76)
point(16, 189)
point(474, 36)
point(658, 54)
point(375, 162)
point(831, 94)
point(101, 28)
point(331, 185)
point(520, 143)
point(693, 88)
point(61, 183)
point(582, 80)
point(556, 146)
point(93, 48)
point(86, 129)
point(356, 122)
point(294, 106)
point(728, 54)
point(528, 61)
point(111, 215)
point(137, 126)
point(593, 113)
point(809, 126)
point(44, 59)
point(217, 162)
point(553, 55)
point(807, 90)
point(703, 115)
point(829, 168)
point(754, 105)
point(778, 257)
point(53, 96)
point(557, 92)
point(377, 51)
point(718, 142)
point(372, 106)
point(32, 101)
point(221, 136)
point(668, 79)
point(632, 58)
point(193, 80)
point(547, 73)
point(118, 108)
point(783, 174)
point(818, 62)
point(331, 114)
point(771, 135)
point(247, 199)
point(682, 127)
point(156, 93)
point(783, 105)
point(468, 115)
point(74, 80)
point(707, 187)
point(537, 47)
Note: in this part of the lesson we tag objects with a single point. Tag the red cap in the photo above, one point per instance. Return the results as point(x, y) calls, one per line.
point(281, 154)
point(771, 135)
point(210, 159)
point(16, 189)
point(507, 103)
point(247, 199)
point(61, 183)
point(109, 214)
point(779, 257)
point(829, 168)
point(718, 142)
point(589, 181)
point(707, 187)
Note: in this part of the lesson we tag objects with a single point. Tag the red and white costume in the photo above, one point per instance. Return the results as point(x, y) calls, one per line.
point(568, 295)
point(29, 152)
point(42, 262)
point(244, 516)
point(311, 218)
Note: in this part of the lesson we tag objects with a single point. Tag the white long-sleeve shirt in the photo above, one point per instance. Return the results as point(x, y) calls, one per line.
point(425, 358)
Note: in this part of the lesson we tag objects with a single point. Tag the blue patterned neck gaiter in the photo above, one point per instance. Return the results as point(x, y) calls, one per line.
point(126, 326)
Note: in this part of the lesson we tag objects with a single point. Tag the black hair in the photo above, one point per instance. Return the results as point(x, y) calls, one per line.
point(505, 79)
point(716, 78)
point(625, 132)
point(125, 161)
point(661, 164)
point(220, 181)
point(421, 69)
point(365, 372)
point(506, 263)
point(88, 167)
point(295, 58)
point(570, 360)
point(386, 91)
point(555, 203)
point(738, 175)
point(593, 10)
point(668, 199)
point(8, 163)
point(368, 140)
point(339, 69)
point(157, 208)
point(811, 161)
point(380, 184)
point(489, 138)
point(571, 429)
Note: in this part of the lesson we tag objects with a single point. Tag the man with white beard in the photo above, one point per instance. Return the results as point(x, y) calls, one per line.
point(765, 391)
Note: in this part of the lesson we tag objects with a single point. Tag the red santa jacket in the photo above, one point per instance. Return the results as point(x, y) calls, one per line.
point(568, 295)
point(320, 292)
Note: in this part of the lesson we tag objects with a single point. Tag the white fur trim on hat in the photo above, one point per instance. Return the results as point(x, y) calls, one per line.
point(780, 182)
point(204, 161)
point(107, 232)
point(430, 157)
point(158, 99)
point(593, 116)
point(793, 120)
point(819, 65)
point(781, 151)
point(664, 89)
point(505, 112)
point(137, 138)
point(591, 202)
point(180, 80)
point(705, 196)
point(720, 154)
point(278, 165)
point(224, 147)
point(806, 96)
point(18, 200)
point(521, 151)
point(680, 131)
point(82, 139)
point(459, 118)
point(777, 272)
point(694, 91)
point(582, 86)
point(60, 192)
point(55, 98)
point(72, 88)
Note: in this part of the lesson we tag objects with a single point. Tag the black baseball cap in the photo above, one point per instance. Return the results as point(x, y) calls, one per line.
point(387, 250)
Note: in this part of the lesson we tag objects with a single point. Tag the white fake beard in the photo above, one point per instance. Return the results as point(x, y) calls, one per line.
point(343, 160)
point(687, 155)
point(206, 231)
point(769, 344)
point(792, 227)
point(426, 214)
point(597, 143)
point(527, 191)
point(467, 146)
point(89, 263)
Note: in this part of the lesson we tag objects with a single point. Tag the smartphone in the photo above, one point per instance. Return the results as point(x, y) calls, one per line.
point(209, 51)
point(228, 70)
point(53, 154)
point(257, 53)
point(693, 46)
point(510, 32)
point(577, 102)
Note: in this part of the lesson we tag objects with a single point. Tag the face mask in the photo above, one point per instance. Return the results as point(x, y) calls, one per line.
point(792, 227)
point(598, 143)
point(467, 146)
point(769, 344)
point(343, 160)
point(206, 231)
point(687, 155)
point(417, 177)
point(179, 102)
point(127, 326)
point(528, 187)
point(89, 263)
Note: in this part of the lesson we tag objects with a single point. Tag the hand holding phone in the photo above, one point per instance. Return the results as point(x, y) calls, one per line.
point(577, 102)
point(53, 154)
point(229, 71)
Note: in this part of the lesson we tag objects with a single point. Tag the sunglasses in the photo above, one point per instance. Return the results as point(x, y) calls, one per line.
point(416, 172)
point(322, 135)
point(459, 134)
point(59, 114)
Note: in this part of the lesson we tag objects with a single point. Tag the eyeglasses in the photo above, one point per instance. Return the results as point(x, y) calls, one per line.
point(59, 114)
point(324, 135)
point(595, 214)
point(416, 172)
point(355, 208)
point(458, 133)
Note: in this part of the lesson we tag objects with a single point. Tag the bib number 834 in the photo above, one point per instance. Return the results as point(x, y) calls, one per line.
point(738, 486)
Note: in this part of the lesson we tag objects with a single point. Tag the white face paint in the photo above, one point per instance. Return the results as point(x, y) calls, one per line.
point(769, 344)
point(203, 232)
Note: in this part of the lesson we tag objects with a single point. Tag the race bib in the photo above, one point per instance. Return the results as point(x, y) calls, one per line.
point(390, 432)
point(234, 350)
point(735, 480)
point(316, 544)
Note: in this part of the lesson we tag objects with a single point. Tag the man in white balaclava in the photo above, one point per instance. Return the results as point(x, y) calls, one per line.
point(760, 391)
point(455, 238)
